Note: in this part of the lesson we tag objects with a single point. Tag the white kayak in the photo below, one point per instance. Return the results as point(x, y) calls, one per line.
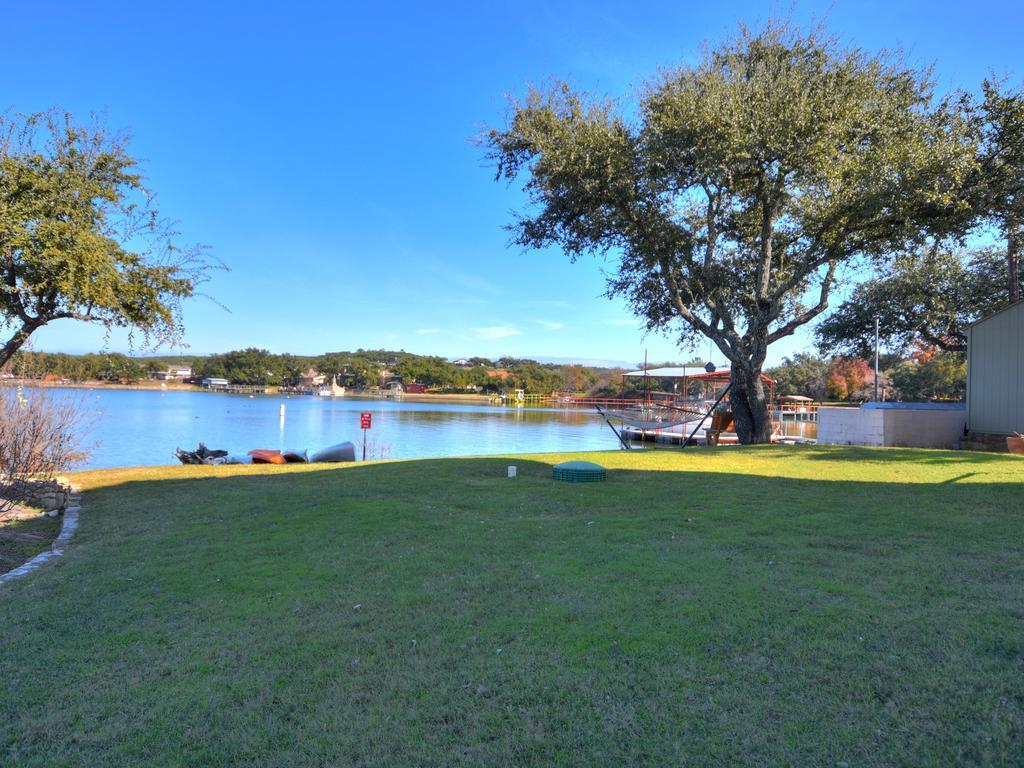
point(340, 452)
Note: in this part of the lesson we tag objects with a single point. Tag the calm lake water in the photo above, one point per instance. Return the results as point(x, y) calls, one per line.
point(142, 428)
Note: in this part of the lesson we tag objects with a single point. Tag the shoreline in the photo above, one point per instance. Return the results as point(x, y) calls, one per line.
point(157, 386)
point(160, 386)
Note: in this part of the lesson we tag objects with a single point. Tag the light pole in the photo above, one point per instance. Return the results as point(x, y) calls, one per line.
point(876, 359)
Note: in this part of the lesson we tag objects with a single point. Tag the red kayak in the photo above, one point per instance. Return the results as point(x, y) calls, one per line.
point(266, 456)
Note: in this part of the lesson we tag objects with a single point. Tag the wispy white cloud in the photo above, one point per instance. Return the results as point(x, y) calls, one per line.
point(551, 303)
point(424, 331)
point(467, 281)
point(496, 331)
point(551, 324)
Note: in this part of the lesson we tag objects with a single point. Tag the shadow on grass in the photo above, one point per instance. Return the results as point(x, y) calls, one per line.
point(849, 453)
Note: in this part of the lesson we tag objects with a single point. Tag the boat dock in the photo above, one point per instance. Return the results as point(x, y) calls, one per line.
point(238, 389)
point(792, 423)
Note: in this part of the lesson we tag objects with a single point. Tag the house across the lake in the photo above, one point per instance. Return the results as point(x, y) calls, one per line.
point(311, 378)
point(174, 373)
point(213, 381)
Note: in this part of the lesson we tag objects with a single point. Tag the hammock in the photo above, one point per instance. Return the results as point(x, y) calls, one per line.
point(660, 416)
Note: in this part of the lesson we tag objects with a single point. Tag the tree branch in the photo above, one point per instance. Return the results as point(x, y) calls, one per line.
point(810, 314)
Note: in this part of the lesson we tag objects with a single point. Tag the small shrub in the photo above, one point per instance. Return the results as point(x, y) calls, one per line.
point(40, 436)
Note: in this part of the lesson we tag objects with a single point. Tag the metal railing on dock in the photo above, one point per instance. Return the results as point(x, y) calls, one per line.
point(238, 389)
point(583, 401)
point(797, 412)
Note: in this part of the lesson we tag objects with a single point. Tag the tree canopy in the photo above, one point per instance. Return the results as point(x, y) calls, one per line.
point(741, 188)
point(80, 236)
point(358, 370)
point(999, 191)
point(930, 295)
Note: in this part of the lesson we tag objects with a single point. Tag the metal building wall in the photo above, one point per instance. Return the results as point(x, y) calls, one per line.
point(995, 372)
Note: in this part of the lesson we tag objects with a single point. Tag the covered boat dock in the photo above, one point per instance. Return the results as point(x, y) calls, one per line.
point(697, 411)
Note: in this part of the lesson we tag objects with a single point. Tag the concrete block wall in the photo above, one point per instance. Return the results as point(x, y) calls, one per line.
point(906, 427)
point(850, 426)
point(924, 429)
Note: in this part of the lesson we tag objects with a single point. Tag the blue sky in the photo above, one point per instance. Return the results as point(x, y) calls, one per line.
point(324, 151)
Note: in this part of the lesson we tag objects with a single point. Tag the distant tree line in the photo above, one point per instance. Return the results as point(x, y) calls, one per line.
point(364, 369)
point(361, 369)
point(109, 367)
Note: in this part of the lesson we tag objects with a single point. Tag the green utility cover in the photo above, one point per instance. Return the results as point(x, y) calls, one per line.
point(578, 472)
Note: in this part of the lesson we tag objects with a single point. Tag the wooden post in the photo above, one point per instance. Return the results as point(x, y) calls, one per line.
point(701, 422)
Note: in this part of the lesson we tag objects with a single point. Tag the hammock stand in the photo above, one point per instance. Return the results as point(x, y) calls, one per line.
point(710, 411)
point(611, 426)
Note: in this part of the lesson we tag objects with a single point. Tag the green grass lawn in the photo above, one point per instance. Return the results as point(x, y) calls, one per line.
point(768, 606)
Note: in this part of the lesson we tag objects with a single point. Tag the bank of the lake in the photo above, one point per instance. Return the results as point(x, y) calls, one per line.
point(758, 606)
point(144, 385)
point(178, 386)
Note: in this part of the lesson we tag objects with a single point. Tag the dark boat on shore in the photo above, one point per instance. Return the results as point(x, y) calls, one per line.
point(202, 455)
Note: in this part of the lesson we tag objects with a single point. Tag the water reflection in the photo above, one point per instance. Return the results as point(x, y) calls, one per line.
point(805, 429)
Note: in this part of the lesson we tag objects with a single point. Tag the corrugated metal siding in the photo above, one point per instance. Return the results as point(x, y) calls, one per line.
point(995, 372)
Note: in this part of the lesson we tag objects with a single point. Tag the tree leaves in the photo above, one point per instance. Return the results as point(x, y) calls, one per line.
point(80, 237)
point(931, 295)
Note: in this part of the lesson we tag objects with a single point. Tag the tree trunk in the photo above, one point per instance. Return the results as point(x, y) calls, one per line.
point(751, 411)
point(16, 341)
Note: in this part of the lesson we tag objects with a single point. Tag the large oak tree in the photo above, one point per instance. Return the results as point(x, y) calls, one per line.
point(740, 187)
point(80, 237)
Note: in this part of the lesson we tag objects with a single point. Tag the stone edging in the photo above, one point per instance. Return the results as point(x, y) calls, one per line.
point(67, 530)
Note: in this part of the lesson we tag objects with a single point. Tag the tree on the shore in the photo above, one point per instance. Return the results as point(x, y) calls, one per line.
point(80, 237)
point(249, 366)
point(931, 374)
point(802, 374)
point(848, 378)
point(741, 188)
point(930, 296)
